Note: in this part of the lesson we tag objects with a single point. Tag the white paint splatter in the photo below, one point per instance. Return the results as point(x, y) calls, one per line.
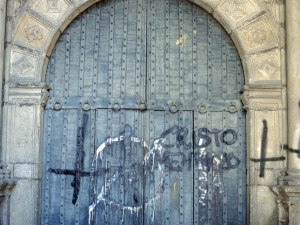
point(157, 146)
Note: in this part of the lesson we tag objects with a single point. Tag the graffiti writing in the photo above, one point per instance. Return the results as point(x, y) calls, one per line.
point(159, 159)
point(204, 133)
point(181, 134)
point(230, 161)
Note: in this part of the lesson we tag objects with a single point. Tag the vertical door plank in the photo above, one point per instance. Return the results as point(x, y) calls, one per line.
point(201, 168)
point(55, 181)
point(104, 49)
point(203, 62)
point(175, 45)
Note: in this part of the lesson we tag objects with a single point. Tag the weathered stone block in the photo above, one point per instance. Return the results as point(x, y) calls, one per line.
point(262, 205)
point(24, 204)
point(258, 35)
point(26, 171)
point(54, 10)
point(25, 65)
point(32, 32)
point(236, 13)
point(264, 69)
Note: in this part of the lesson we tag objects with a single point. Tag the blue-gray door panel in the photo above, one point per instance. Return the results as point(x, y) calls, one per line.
point(190, 56)
point(220, 167)
point(118, 189)
point(171, 136)
point(155, 166)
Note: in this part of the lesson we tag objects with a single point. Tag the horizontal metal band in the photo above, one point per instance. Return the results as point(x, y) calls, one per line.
point(87, 103)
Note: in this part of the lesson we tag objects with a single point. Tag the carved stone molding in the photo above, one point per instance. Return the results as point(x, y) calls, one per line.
point(25, 65)
point(238, 11)
point(54, 10)
point(256, 36)
point(26, 94)
point(32, 32)
point(264, 69)
point(271, 98)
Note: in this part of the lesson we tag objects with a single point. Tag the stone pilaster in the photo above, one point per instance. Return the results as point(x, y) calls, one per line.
point(265, 157)
point(23, 110)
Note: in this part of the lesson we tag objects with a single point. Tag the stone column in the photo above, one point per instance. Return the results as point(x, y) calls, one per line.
point(293, 83)
point(288, 189)
point(22, 113)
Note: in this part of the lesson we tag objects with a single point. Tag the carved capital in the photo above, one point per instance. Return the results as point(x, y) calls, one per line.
point(26, 94)
point(260, 99)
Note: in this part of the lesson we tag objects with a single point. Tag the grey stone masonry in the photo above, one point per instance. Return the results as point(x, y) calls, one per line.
point(6, 185)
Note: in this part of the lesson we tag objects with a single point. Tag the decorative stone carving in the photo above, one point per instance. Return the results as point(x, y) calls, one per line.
point(238, 6)
point(257, 36)
point(54, 10)
point(276, 9)
point(19, 93)
point(23, 65)
point(253, 96)
point(32, 32)
point(267, 68)
point(264, 68)
point(53, 6)
point(238, 11)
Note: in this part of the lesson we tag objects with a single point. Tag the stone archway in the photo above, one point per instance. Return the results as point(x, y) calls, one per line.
point(257, 35)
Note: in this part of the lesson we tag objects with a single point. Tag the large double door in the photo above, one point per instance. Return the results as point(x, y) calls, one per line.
point(144, 124)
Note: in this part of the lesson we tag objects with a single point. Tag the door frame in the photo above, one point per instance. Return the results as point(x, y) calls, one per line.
point(257, 35)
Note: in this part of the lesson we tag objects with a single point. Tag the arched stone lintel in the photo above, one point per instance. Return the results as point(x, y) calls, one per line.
point(256, 35)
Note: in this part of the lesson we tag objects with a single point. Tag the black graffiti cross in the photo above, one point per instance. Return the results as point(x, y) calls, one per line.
point(263, 152)
point(77, 172)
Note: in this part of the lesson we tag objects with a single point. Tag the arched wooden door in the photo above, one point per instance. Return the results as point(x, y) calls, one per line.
point(144, 124)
